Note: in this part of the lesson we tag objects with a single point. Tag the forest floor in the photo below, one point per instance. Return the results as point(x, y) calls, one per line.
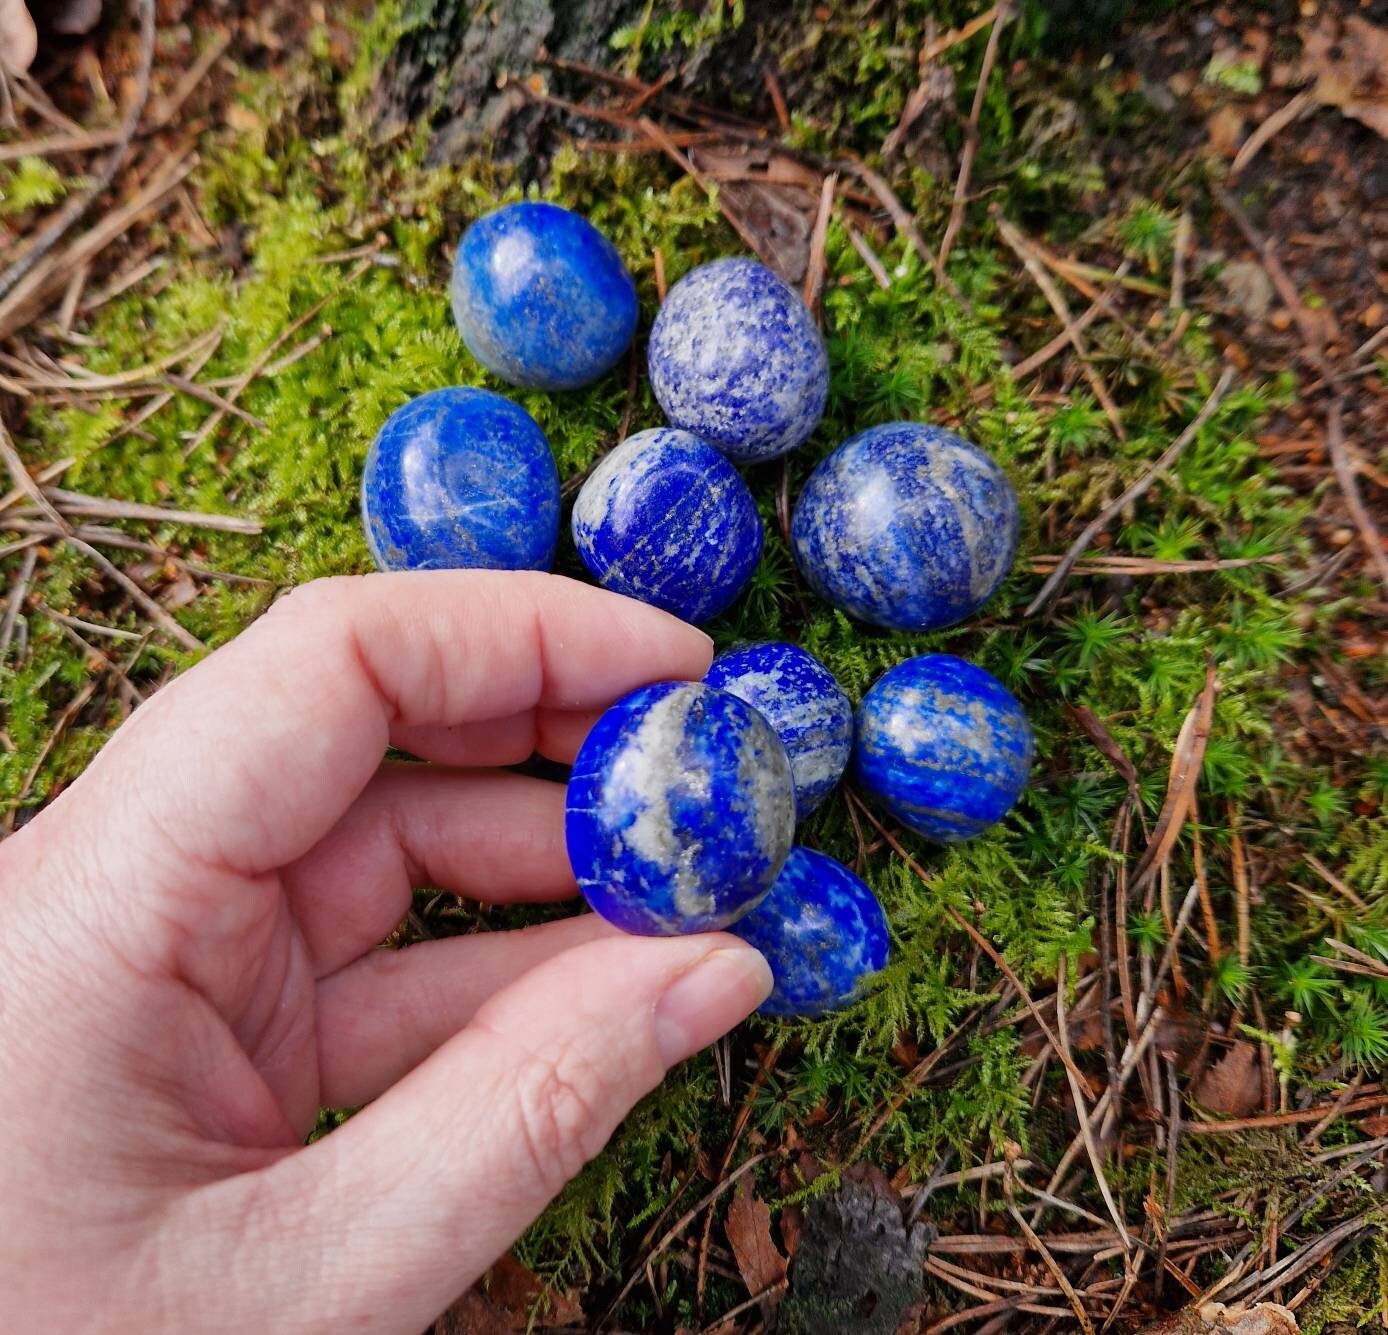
point(1127, 1062)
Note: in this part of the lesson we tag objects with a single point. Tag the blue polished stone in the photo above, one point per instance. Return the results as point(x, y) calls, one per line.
point(542, 298)
point(821, 930)
point(680, 810)
point(736, 358)
point(906, 526)
point(667, 519)
point(944, 746)
point(801, 699)
point(460, 478)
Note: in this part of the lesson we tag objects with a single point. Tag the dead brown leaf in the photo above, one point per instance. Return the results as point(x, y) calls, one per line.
point(1187, 756)
point(506, 1299)
point(1233, 1085)
point(1226, 131)
point(759, 1260)
point(1350, 65)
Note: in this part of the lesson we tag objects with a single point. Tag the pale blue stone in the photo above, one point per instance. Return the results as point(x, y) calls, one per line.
point(736, 358)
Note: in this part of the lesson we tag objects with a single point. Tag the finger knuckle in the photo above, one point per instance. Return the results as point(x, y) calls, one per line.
point(559, 1098)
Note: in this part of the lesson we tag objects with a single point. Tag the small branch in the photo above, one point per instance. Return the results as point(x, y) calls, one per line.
point(1270, 128)
point(104, 507)
point(1138, 489)
point(1349, 488)
point(1002, 12)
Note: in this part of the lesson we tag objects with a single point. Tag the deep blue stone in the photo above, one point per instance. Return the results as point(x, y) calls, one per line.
point(542, 298)
point(944, 746)
point(680, 810)
point(822, 932)
point(906, 526)
point(460, 478)
point(801, 699)
point(666, 519)
point(736, 358)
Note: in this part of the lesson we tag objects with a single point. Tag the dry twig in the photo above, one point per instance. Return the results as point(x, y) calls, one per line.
point(1001, 13)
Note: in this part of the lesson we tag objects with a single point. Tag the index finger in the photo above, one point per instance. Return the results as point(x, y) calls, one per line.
point(245, 761)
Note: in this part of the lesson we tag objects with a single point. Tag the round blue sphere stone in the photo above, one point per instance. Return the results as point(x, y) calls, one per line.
point(906, 526)
point(821, 930)
point(803, 701)
point(667, 519)
point(944, 746)
point(460, 478)
point(680, 810)
point(542, 298)
point(736, 358)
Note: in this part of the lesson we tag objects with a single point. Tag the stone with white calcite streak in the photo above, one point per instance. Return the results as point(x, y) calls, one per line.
point(666, 519)
point(680, 810)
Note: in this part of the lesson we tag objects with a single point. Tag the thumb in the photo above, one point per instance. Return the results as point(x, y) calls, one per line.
point(409, 1202)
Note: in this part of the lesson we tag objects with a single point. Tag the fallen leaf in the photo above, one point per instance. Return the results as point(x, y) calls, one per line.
point(1233, 1085)
point(1374, 1126)
point(509, 1297)
point(759, 1260)
point(1187, 757)
point(1350, 64)
point(1226, 131)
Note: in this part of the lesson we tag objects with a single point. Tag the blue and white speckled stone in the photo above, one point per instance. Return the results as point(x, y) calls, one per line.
point(460, 478)
point(803, 701)
point(821, 930)
point(944, 746)
point(680, 810)
point(906, 526)
point(736, 358)
point(666, 519)
point(542, 298)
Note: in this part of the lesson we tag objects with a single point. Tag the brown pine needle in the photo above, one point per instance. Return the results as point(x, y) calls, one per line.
point(1019, 245)
point(1001, 13)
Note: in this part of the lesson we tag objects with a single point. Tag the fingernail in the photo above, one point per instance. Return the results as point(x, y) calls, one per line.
point(704, 1002)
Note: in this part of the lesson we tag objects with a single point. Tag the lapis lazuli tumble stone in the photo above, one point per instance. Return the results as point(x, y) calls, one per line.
point(736, 358)
point(944, 746)
point(680, 810)
point(906, 526)
point(666, 519)
point(821, 930)
point(803, 701)
point(460, 478)
point(542, 298)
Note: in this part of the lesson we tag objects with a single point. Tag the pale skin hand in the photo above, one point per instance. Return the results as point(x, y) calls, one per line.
point(187, 969)
point(18, 40)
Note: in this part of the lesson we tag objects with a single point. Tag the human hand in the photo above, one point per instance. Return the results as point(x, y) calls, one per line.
point(187, 969)
point(19, 42)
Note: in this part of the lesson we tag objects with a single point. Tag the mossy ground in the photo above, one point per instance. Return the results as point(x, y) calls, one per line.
point(307, 184)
